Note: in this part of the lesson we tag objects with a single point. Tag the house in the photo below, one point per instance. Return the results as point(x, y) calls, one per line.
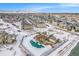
point(46, 39)
point(55, 22)
point(10, 38)
point(73, 27)
point(26, 26)
point(40, 25)
point(61, 24)
point(77, 27)
point(6, 38)
point(53, 39)
point(70, 26)
point(1, 37)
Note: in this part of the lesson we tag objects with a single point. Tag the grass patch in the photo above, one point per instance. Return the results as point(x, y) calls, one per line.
point(75, 51)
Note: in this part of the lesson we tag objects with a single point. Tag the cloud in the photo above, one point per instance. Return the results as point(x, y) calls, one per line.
point(61, 7)
point(40, 8)
point(44, 7)
point(69, 5)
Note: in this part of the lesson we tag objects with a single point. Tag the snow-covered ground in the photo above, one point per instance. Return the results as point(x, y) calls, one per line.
point(15, 50)
point(12, 30)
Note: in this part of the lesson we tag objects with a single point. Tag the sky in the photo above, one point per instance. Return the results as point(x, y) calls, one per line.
point(42, 7)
